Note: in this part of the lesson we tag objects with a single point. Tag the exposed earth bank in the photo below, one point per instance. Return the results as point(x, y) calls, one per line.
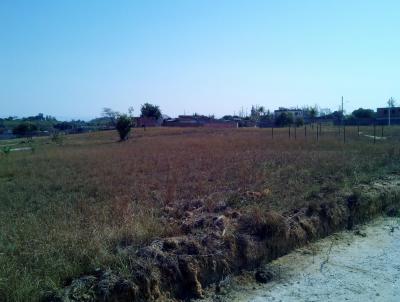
point(220, 241)
point(361, 265)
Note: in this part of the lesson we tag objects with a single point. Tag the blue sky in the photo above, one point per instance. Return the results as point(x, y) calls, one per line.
point(72, 58)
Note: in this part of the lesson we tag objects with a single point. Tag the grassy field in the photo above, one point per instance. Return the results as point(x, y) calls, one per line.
point(65, 209)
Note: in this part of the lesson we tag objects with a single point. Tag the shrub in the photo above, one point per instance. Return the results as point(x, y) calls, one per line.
point(299, 122)
point(57, 138)
point(124, 124)
point(284, 119)
point(6, 150)
point(25, 129)
point(363, 113)
point(263, 224)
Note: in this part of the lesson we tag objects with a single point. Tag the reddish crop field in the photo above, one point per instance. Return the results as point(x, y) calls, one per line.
point(65, 209)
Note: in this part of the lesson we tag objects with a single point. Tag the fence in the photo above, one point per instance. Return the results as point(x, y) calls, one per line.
point(343, 133)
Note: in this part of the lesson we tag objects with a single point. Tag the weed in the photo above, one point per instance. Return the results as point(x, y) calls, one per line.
point(6, 150)
point(57, 138)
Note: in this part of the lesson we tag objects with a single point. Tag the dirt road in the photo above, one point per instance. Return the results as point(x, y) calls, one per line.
point(361, 265)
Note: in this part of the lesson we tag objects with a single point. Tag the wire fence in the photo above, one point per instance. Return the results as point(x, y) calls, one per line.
point(344, 133)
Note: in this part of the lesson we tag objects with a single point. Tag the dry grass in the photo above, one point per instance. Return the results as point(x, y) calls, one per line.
point(64, 210)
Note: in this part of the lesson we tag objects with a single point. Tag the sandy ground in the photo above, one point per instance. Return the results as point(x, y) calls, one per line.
point(376, 137)
point(21, 149)
point(361, 265)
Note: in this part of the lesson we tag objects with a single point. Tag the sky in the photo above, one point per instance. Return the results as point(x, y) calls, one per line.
point(71, 58)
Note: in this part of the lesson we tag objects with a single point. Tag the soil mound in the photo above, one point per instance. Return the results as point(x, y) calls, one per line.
point(219, 241)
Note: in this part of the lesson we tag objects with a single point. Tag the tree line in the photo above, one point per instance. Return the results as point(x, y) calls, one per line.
point(110, 119)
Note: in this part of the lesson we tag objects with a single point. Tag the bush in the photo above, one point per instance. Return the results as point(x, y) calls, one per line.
point(6, 150)
point(299, 122)
point(124, 124)
point(57, 138)
point(25, 129)
point(363, 113)
point(63, 126)
point(284, 119)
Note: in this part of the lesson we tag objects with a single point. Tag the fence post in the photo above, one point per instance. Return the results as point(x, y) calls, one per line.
point(305, 130)
point(374, 133)
point(289, 131)
point(317, 133)
point(272, 131)
point(344, 133)
point(382, 131)
point(295, 132)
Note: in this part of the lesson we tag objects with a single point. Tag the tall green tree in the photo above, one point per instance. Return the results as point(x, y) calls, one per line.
point(313, 112)
point(363, 113)
point(150, 110)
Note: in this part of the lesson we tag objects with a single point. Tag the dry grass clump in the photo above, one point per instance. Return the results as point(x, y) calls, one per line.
point(262, 224)
point(65, 210)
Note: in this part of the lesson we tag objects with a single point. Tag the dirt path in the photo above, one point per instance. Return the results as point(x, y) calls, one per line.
point(21, 149)
point(342, 267)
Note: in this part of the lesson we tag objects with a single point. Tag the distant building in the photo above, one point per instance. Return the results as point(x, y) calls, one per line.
point(384, 112)
point(324, 111)
point(221, 124)
point(295, 112)
point(176, 122)
point(266, 123)
point(199, 121)
point(7, 134)
point(147, 122)
point(382, 115)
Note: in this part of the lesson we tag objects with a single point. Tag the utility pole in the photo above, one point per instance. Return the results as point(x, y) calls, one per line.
point(391, 103)
point(341, 121)
point(344, 133)
point(342, 104)
point(342, 110)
